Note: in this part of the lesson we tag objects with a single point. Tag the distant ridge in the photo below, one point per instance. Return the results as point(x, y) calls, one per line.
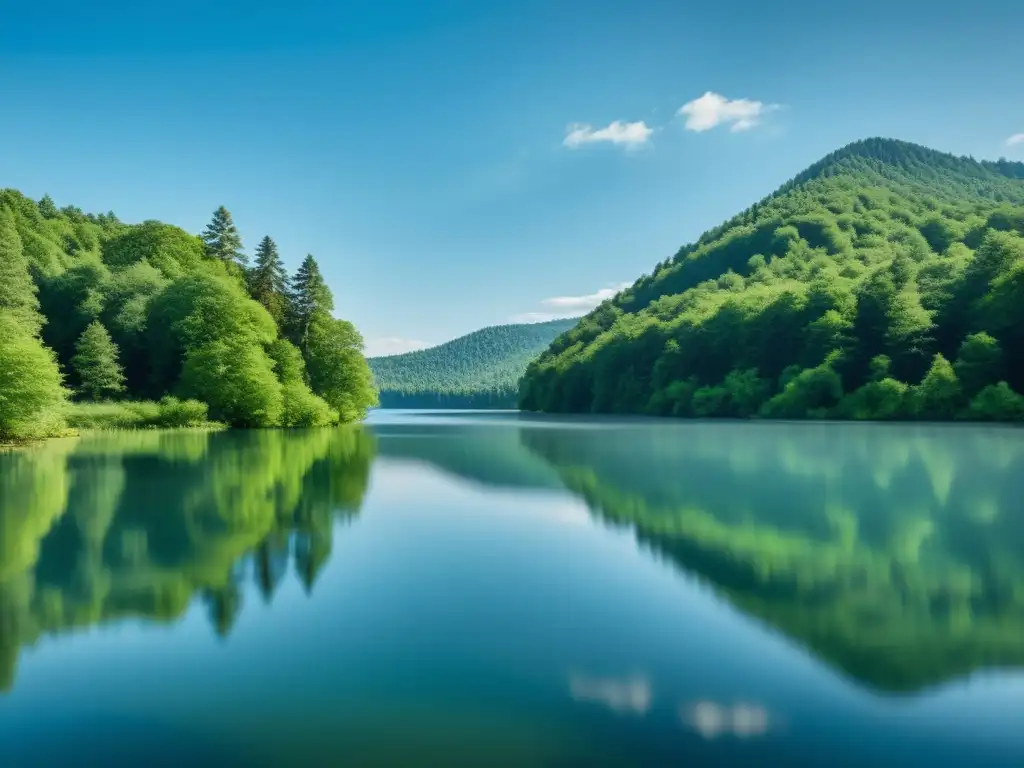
point(479, 370)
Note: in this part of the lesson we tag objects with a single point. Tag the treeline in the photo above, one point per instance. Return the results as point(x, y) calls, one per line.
point(886, 282)
point(479, 370)
point(94, 309)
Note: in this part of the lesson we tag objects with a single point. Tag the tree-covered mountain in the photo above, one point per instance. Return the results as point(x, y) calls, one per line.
point(884, 282)
point(479, 370)
point(92, 308)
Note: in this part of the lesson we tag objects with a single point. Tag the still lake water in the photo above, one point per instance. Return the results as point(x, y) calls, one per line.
point(501, 589)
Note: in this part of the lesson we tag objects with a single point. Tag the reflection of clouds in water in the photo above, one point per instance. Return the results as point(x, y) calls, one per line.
point(623, 695)
point(711, 720)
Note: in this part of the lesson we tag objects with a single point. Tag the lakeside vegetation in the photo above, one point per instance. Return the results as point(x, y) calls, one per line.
point(884, 282)
point(167, 328)
point(479, 370)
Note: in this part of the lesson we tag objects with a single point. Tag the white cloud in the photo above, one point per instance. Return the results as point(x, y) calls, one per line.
point(392, 345)
point(713, 109)
point(627, 695)
point(712, 720)
point(629, 135)
point(1017, 138)
point(569, 306)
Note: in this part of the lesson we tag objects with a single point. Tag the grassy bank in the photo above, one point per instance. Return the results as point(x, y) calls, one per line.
point(168, 412)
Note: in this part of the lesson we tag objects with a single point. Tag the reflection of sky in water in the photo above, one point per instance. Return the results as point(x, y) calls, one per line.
point(466, 606)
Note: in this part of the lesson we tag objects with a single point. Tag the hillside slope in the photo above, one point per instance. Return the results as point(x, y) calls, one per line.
point(479, 370)
point(885, 281)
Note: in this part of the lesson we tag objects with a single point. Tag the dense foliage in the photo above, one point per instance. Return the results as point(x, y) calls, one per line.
point(147, 524)
point(92, 308)
point(885, 282)
point(478, 370)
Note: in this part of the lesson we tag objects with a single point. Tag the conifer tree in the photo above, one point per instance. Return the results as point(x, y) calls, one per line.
point(268, 281)
point(222, 239)
point(47, 207)
point(310, 297)
point(95, 363)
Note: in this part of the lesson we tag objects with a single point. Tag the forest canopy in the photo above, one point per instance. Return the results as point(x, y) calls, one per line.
point(884, 282)
point(479, 370)
point(94, 309)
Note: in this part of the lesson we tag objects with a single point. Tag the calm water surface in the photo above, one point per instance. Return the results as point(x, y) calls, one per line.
point(496, 589)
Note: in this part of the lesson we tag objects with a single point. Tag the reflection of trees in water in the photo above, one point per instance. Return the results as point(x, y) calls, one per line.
point(896, 553)
point(139, 524)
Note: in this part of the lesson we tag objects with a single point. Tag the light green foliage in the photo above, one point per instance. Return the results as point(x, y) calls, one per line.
point(481, 369)
point(301, 407)
point(169, 249)
point(881, 249)
point(939, 395)
point(17, 291)
point(168, 412)
point(338, 372)
point(31, 391)
point(96, 365)
point(236, 378)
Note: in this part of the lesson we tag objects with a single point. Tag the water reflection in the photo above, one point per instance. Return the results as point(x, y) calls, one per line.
point(141, 524)
point(895, 553)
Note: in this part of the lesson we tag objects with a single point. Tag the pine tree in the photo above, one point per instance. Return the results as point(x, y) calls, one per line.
point(17, 291)
point(47, 207)
point(268, 281)
point(95, 363)
point(222, 239)
point(310, 297)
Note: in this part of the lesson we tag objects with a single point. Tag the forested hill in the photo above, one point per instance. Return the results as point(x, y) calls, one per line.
point(479, 370)
point(92, 308)
point(884, 282)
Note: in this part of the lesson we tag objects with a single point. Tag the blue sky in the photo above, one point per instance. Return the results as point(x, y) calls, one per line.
point(460, 163)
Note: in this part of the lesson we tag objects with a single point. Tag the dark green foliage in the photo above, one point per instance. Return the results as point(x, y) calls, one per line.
point(479, 370)
point(882, 251)
point(96, 365)
point(997, 402)
point(268, 281)
point(222, 239)
point(171, 309)
point(309, 297)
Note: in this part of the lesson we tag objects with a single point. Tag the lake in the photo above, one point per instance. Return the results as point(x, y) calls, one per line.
point(491, 589)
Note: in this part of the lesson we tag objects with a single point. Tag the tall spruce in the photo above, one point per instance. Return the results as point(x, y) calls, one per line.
point(222, 239)
point(310, 297)
point(268, 281)
point(95, 363)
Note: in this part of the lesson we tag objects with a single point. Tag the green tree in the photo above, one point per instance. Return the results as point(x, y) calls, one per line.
point(31, 390)
point(17, 291)
point(939, 395)
point(996, 402)
point(222, 239)
point(268, 281)
point(338, 372)
point(47, 208)
point(96, 363)
point(978, 363)
point(310, 298)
